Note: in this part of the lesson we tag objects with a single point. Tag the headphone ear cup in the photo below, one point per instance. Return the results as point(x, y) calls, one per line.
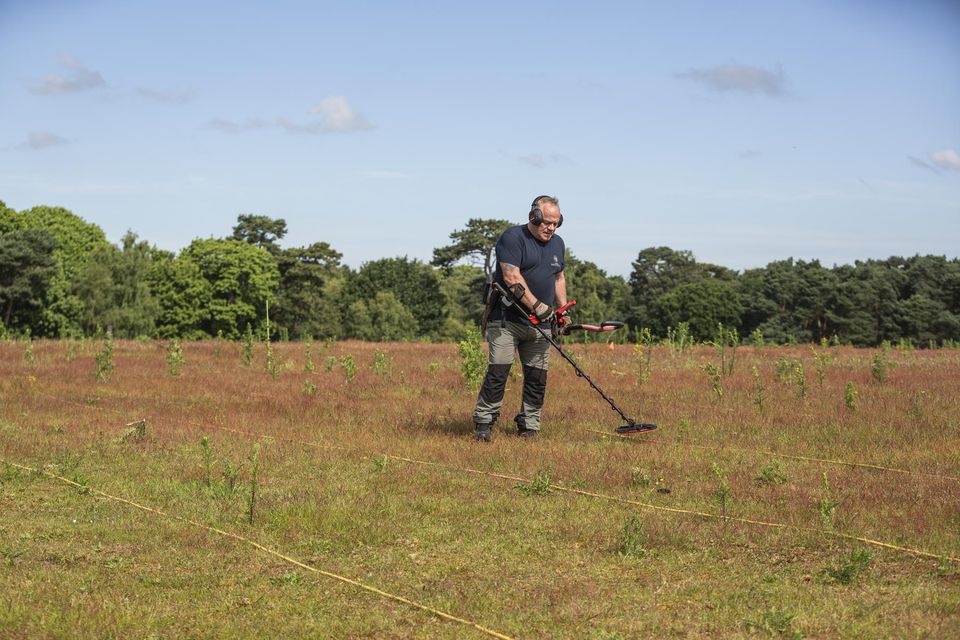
point(560, 221)
point(536, 217)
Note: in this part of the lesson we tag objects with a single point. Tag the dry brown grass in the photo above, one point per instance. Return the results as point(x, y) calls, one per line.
point(537, 566)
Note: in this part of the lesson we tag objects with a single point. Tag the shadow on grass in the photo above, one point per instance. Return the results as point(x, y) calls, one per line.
point(448, 426)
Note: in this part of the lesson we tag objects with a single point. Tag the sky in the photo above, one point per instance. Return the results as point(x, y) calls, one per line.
point(744, 132)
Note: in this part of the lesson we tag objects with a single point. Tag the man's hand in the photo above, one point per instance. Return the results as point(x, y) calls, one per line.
point(543, 312)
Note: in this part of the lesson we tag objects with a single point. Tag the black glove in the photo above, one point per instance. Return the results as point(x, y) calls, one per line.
point(543, 312)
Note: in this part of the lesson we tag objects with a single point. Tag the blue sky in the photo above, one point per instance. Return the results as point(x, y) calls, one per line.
point(745, 132)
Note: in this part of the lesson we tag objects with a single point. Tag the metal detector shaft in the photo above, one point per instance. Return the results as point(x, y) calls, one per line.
point(511, 302)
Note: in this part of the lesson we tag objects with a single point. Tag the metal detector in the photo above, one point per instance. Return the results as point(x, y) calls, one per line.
point(631, 426)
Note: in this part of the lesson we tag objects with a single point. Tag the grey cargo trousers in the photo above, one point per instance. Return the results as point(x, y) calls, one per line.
point(504, 338)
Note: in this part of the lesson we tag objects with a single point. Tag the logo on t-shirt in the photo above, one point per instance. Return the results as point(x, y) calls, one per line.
point(555, 263)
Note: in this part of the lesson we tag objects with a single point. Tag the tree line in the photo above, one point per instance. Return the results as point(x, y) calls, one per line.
point(60, 277)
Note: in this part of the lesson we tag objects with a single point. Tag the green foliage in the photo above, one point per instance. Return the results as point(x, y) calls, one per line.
point(473, 360)
point(330, 363)
point(28, 350)
point(631, 544)
point(183, 297)
point(660, 271)
point(850, 396)
point(722, 339)
point(254, 460)
point(260, 231)
point(274, 360)
point(643, 353)
point(136, 431)
point(771, 474)
point(75, 240)
point(821, 359)
point(757, 339)
point(679, 338)
point(104, 359)
point(703, 304)
point(476, 243)
point(308, 365)
point(382, 318)
point(380, 285)
point(716, 379)
point(311, 278)
point(309, 388)
point(827, 504)
point(775, 621)
point(850, 567)
point(880, 366)
point(759, 392)
point(640, 477)
point(800, 379)
point(382, 364)
point(598, 295)
point(174, 357)
point(27, 268)
point(349, 367)
point(783, 369)
point(206, 451)
point(114, 288)
point(462, 287)
point(246, 353)
point(241, 278)
point(539, 486)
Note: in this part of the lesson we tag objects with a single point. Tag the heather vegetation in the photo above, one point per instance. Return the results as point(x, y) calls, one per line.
point(60, 277)
point(349, 501)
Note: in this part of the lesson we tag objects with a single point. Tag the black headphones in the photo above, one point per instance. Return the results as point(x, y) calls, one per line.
point(536, 216)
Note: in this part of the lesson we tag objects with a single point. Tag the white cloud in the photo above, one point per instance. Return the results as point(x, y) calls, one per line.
point(229, 126)
point(946, 159)
point(78, 79)
point(540, 160)
point(338, 115)
point(167, 96)
point(43, 139)
point(738, 77)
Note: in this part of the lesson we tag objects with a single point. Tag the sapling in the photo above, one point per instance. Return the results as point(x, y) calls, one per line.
point(174, 357)
point(254, 460)
point(473, 362)
point(827, 504)
point(104, 358)
point(759, 393)
point(308, 365)
point(723, 487)
point(800, 379)
point(349, 367)
point(246, 354)
point(850, 396)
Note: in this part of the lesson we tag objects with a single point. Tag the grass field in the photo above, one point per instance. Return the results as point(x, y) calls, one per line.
point(750, 512)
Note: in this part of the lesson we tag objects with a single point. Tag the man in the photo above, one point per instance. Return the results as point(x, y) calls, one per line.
point(530, 266)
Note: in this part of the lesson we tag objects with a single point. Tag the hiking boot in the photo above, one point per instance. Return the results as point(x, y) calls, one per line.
point(482, 433)
point(528, 433)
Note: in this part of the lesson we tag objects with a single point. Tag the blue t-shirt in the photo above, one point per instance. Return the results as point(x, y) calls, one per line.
point(539, 264)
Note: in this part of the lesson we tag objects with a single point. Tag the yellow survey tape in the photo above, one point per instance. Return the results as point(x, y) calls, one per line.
point(865, 465)
point(257, 545)
point(703, 514)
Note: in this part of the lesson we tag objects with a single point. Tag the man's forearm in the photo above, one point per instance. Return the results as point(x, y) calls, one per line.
point(561, 290)
point(511, 277)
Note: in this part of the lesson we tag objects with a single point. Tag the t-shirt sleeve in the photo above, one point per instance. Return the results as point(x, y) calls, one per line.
point(510, 248)
point(563, 253)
